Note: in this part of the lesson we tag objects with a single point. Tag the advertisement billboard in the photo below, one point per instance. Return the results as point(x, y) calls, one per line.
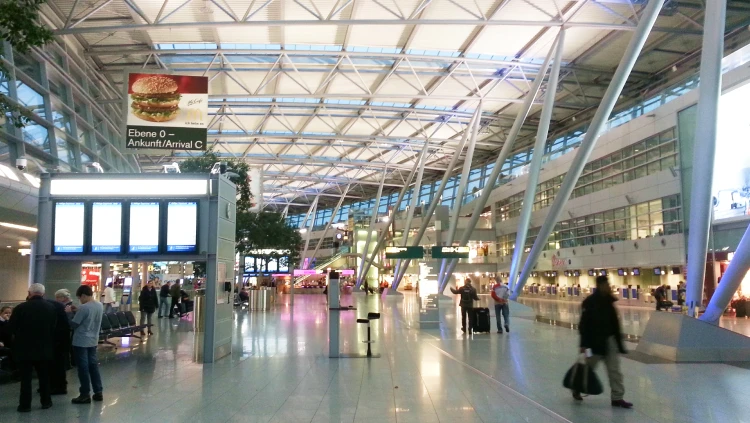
point(166, 112)
point(731, 184)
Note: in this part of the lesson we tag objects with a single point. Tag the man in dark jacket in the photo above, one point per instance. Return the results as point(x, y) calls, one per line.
point(174, 292)
point(148, 303)
point(468, 296)
point(164, 299)
point(33, 325)
point(59, 365)
point(601, 338)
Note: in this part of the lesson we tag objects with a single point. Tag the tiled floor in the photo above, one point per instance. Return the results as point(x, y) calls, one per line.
point(280, 372)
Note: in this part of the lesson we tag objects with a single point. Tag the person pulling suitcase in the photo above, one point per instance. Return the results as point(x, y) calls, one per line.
point(468, 296)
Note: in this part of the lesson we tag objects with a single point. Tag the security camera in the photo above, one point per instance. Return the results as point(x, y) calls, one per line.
point(21, 164)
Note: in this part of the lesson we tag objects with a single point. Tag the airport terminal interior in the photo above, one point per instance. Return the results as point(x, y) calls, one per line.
point(319, 210)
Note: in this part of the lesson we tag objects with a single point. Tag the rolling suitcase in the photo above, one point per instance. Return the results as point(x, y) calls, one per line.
point(481, 320)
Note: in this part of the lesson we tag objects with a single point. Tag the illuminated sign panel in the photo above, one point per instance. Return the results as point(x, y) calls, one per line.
point(450, 252)
point(106, 227)
point(69, 224)
point(144, 227)
point(182, 226)
point(404, 252)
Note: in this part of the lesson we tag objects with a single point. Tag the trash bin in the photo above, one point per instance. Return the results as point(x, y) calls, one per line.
point(260, 300)
point(199, 311)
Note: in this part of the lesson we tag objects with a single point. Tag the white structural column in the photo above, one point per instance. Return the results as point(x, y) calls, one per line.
point(401, 194)
point(536, 162)
point(426, 216)
point(453, 224)
point(311, 215)
point(587, 145)
point(504, 152)
point(412, 204)
point(705, 150)
point(328, 224)
point(373, 221)
point(730, 281)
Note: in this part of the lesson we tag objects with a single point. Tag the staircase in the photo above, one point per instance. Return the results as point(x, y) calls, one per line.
point(322, 264)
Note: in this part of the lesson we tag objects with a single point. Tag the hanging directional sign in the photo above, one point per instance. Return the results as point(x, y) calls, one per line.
point(450, 252)
point(404, 252)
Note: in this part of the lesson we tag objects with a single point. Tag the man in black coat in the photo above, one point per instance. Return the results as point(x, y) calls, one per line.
point(33, 325)
point(468, 296)
point(601, 338)
point(60, 364)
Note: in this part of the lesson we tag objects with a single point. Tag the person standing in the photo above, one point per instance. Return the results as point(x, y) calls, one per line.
point(86, 325)
point(148, 303)
point(600, 333)
point(681, 294)
point(63, 297)
point(174, 292)
point(33, 326)
point(109, 300)
point(59, 364)
point(660, 296)
point(500, 294)
point(6, 336)
point(468, 296)
point(164, 300)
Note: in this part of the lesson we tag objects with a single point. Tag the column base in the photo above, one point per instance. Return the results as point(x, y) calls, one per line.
point(679, 338)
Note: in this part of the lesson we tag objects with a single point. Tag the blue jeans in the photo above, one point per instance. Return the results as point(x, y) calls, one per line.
point(88, 370)
point(505, 311)
point(164, 303)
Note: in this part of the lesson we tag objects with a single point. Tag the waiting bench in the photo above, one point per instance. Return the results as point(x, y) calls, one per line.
point(121, 324)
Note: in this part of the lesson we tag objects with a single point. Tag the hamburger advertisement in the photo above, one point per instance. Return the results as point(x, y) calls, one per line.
point(166, 112)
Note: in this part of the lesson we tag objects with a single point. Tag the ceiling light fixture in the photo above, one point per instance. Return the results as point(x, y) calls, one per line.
point(20, 227)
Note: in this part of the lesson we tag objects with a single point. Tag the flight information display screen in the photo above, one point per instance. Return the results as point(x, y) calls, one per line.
point(106, 227)
point(69, 223)
point(182, 226)
point(144, 227)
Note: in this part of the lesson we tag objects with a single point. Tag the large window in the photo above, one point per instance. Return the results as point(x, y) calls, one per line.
point(644, 158)
point(644, 220)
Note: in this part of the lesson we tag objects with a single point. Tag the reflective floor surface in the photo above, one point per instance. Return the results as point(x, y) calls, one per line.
point(280, 372)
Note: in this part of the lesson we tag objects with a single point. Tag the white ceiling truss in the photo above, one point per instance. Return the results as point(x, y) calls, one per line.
point(328, 93)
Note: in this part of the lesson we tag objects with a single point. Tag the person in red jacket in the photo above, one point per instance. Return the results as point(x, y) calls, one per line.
point(500, 294)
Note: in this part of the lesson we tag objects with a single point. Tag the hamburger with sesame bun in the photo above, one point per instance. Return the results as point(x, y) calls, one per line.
point(155, 98)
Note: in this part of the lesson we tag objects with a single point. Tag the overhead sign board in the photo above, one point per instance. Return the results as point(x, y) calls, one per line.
point(404, 252)
point(450, 252)
point(166, 112)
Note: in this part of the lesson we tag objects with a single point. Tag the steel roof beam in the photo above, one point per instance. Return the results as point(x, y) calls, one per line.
point(135, 27)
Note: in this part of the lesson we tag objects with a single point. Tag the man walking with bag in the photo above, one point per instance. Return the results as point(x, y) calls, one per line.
point(500, 294)
point(601, 338)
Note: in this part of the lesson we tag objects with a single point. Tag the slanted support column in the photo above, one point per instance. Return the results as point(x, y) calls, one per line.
point(373, 220)
point(328, 225)
point(412, 204)
point(431, 209)
point(384, 233)
point(311, 215)
point(504, 152)
point(461, 188)
point(536, 162)
point(730, 281)
point(587, 145)
point(705, 150)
